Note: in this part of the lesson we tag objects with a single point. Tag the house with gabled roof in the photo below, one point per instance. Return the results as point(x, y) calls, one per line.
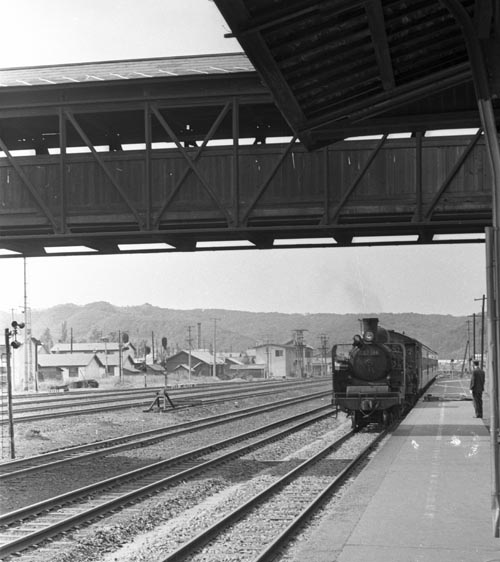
point(66, 368)
point(202, 363)
point(111, 363)
point(94, 347)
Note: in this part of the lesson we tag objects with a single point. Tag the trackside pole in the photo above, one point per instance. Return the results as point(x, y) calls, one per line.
point(492, 259)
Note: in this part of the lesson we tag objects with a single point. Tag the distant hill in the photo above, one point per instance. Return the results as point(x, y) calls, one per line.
point(236, 330)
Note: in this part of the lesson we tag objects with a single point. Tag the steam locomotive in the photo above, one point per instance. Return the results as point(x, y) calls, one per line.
point(381, 375)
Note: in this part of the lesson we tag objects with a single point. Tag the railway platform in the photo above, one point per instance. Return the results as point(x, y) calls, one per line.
point(426, 494)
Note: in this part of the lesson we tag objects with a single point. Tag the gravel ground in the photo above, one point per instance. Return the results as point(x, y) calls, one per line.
point(168, 519)
point(36, 487)
point(132, 526)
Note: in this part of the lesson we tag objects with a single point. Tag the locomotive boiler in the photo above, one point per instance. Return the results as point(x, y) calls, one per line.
point(381, 374)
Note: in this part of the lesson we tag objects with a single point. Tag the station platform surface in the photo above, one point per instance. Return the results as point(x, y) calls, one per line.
point(425, 496)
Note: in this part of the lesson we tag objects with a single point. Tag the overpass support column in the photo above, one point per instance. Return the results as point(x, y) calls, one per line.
point(493, 287)
point(493, 296)
point(483, 36)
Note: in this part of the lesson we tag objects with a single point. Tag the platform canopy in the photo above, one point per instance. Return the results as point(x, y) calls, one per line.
point(341, 68)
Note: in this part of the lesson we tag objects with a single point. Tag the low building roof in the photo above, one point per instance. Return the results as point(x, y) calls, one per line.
point(251, 367)
point(68, 360)
point(281, 345)
point(184, 366)
point(155, 367)
point(88, 347)
point(201, 355)
point(113, 359)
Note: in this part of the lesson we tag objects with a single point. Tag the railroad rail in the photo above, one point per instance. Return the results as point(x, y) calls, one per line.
point(33, 524)
point(282, 506)
point(19, 467)
point(184, 399)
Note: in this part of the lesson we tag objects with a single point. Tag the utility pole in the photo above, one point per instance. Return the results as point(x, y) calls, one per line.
point(483, 298)
point(105, 340)
point(215, 346)
point(190, 341)
point(120, 362)
point(9, 395)
point(299, 350)
point(36, 342)
point(27, 323)
point(324, 342)
point(467, 347)
point(268, 360)
point(474, 336)
point(15, 344)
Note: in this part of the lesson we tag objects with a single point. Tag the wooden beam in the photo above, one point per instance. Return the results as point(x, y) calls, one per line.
point(191, 162)
point(101, 163)
point(62, 168)
point(453, 172)
point(264, 186)
point(257, 50)
point(483, 16)
point(360, 176)
point(31, 188)
point(389, 100)
point(375, 13)
point(282, 17)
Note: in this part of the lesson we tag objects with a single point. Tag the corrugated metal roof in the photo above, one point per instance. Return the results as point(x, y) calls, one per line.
point(139, 69)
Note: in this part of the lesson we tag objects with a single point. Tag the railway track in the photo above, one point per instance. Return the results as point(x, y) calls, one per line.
point(262, 525)
point(182, 398)
point(20, 467)
point(34, 524)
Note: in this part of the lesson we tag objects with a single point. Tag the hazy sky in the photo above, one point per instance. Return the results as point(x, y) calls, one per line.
point(440, 279)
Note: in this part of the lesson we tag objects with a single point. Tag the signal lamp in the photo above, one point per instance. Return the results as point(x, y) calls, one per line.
point(369, 336)
point(16, 344)
point(358, 342)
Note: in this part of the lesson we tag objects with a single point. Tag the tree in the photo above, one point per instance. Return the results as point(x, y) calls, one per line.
point(46, 339)
point(64, 332)
point(95, 335)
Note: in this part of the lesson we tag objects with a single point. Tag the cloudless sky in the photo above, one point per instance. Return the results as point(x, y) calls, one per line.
point(426, 279)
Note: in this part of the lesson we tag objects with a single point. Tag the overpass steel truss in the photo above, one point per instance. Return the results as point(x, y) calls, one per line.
point(412, 189)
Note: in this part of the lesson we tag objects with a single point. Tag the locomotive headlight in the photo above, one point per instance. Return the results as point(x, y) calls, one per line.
point(369, 336)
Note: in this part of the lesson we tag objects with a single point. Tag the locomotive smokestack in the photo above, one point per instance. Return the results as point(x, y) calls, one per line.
point(370, 325)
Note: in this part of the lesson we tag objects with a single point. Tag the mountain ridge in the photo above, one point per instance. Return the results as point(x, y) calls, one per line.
point(236, 330)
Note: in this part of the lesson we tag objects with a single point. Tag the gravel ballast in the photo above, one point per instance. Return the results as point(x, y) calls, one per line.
point(138, 532)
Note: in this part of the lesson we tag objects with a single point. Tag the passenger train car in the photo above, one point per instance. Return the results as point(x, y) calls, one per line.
point(381, 375)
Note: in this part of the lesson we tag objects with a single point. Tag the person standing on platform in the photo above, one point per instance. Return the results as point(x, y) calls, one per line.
point(477, 387)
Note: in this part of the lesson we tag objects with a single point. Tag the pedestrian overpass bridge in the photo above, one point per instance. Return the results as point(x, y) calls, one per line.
point(191, 153)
